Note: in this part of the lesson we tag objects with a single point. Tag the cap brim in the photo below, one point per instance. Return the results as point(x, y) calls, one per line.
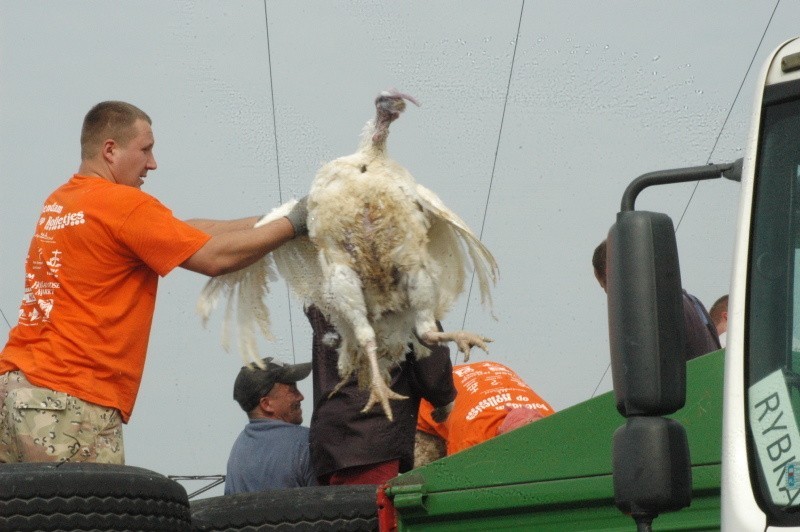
point(294, 373)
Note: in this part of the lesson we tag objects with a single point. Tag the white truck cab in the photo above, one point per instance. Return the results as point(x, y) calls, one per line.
point(761, 442)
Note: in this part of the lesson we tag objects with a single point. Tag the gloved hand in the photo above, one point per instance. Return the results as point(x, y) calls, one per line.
point(298, 215)
point(440, 414)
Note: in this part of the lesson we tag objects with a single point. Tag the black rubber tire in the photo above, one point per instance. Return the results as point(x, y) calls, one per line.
point(83, 496)
point(317, 508)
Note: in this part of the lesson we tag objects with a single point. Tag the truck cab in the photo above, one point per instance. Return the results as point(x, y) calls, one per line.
point(722, 428)
point(761, 442)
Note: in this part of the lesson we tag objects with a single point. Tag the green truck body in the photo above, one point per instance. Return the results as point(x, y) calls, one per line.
point(555, 474)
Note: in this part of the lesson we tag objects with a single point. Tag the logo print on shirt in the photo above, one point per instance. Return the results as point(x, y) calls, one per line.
point(46, 305)
point(53, 207)
point(69, 219)
point(54, 262)
point(28, 297)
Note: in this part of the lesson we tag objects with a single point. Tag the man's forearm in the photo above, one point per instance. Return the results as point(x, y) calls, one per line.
point(233, 250)
point(218, 227)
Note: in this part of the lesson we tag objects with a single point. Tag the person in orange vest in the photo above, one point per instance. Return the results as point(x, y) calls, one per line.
point(492, 399)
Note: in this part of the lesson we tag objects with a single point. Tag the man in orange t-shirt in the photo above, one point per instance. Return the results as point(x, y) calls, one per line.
point(71, 369)
point(492, 399)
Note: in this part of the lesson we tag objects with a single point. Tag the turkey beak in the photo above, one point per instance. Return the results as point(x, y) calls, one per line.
point(409, 98)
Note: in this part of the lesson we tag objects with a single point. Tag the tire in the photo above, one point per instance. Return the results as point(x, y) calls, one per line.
point(88, 496)
point(317, 508)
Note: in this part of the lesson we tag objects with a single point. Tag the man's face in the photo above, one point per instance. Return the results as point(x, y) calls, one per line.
point(284, 403)
point(131, 162)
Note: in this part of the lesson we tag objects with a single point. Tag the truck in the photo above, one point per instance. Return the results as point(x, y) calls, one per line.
point(708, 444)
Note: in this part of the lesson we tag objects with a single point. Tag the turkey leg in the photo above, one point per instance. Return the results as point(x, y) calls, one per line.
point(379, 391)
point(346, 296)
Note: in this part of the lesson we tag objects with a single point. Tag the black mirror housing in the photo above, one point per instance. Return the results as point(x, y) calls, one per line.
point(652, 466)
point(645, 315)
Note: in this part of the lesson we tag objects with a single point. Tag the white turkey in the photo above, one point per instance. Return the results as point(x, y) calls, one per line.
point(384, 259)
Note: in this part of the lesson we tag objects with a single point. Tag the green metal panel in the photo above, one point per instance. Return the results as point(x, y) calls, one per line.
point(555, 474)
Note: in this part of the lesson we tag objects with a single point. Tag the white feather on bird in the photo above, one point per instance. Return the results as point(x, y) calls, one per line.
point(384, 260)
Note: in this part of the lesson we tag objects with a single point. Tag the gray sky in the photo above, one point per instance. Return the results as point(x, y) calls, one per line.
point(534, 119)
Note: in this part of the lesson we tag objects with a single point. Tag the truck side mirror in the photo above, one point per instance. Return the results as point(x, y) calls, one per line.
point(652, 467)
point(645, 314)
point(652, 464)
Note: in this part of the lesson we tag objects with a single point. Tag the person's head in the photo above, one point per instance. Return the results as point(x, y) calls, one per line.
point(719, 314)
point(599, 263)
point(271, 392)
point(117, 143)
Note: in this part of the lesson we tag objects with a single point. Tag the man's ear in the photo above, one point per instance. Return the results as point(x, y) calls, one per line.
point(107, 149)
point(265, 405)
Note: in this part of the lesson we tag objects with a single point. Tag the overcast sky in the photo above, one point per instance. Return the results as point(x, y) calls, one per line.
point(535, 116)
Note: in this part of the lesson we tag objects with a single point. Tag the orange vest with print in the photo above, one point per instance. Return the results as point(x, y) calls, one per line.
point(90, 286)
point(485, 389)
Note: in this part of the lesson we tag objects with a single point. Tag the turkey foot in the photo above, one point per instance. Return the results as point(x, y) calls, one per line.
point(465, 340)
point(379, 391)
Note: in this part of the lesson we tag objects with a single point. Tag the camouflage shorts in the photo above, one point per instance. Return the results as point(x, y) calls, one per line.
point(42, 425)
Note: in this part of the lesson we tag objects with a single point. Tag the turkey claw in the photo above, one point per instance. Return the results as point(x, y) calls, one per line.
point(466, 341)
point(381, 393)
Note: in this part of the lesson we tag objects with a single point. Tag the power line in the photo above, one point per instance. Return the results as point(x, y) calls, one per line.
point(601, 379)
point(272, 103)
point(494, 162)
point(278, 165)
point(4, 318)
point(730, 110)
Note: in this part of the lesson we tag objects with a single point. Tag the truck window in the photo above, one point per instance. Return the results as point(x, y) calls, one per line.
point(772, 342)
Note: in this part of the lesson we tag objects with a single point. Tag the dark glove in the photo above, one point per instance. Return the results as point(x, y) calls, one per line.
point(298, 215)
point(441, 414)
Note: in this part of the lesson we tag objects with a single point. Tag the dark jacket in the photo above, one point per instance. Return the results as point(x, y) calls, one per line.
point(701, 334)
point(341, 436)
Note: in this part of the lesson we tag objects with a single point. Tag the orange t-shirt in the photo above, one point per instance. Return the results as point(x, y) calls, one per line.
point(90, 286)
point(485, 389)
